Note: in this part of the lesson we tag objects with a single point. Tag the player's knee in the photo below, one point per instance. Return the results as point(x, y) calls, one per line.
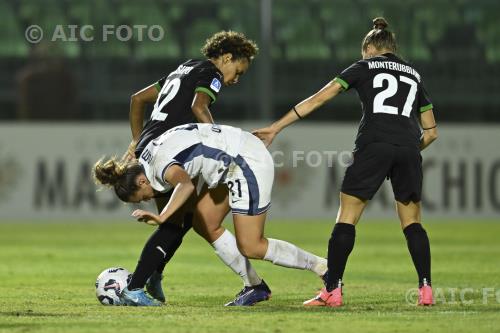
point(215, 233)
point(413, 228)
point(251, 250)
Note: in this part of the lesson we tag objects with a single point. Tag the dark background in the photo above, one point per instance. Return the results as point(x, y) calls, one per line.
point(455, 45)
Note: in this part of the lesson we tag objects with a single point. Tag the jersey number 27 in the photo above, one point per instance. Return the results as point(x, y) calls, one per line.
point(391, 90)
point(167, 93)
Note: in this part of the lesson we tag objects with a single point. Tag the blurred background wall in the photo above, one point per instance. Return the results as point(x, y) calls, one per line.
point(65, 72)
point(454, 43)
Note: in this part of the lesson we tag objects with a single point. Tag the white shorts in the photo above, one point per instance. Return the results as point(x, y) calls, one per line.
point(250, 178)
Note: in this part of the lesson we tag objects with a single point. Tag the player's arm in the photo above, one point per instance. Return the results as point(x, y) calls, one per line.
point(138, 103)
point(200, 109)
point(183, 189)
point(301, 110)
point(429, 126)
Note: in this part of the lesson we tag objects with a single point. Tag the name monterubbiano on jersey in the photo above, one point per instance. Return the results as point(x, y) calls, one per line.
point(394, 66)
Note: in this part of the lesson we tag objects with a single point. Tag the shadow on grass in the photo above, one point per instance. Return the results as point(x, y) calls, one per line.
point(31, 313)
point(20, 327)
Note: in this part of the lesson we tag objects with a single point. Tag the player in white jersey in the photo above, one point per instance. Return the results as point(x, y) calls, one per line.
point(218, 155)
point(188, 154)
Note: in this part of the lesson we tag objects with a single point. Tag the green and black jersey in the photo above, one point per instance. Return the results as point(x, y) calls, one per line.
point(392, 97)
point(176, 92)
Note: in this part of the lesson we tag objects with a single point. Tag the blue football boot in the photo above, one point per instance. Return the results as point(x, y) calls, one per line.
point(137, 298)
point(153, 286)
point(248, 296)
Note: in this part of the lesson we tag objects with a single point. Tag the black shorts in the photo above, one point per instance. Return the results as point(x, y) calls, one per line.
point(376, 161)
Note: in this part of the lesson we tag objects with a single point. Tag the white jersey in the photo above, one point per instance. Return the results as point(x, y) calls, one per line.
point(219, 154)
point(201, 149)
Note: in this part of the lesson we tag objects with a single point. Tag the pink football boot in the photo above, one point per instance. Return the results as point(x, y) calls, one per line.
point(332, 299)
point(425, 295)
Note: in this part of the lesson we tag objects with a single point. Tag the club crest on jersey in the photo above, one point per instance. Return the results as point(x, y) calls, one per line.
point(215, 85)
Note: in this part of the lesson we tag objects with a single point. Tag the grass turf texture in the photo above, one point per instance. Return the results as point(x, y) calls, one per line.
point(47, 274)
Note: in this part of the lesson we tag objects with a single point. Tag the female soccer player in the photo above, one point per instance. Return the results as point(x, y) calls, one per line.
point(388, 144)
point(217, 155)
point(184, 96)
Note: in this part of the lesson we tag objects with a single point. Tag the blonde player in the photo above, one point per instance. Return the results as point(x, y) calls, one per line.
point(216, 155)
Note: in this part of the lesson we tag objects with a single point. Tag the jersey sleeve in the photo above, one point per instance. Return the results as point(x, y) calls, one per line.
point(351, 76)
point(163, 162)
point(209, 82)
point(424, 102)
point(159, 84)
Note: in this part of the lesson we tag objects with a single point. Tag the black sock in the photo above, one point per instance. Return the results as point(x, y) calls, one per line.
point(158, 250)
point(170, 251)
point(418, 245)
point(339, 247)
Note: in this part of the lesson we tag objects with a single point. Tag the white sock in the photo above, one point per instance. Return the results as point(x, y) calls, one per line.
point(227, 250)
point(288, 255)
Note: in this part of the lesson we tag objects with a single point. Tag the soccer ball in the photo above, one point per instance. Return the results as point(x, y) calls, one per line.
point(110, 284)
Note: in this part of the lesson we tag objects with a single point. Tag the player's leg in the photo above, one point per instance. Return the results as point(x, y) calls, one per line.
point(342, 238)
point(252, 244)
point(362, 180)
point(418, 246)
point(210, 211)
point(184, 220)
point(406, 178)
point(158, 250)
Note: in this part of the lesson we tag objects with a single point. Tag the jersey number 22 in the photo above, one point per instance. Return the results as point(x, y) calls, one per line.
point(167, 93)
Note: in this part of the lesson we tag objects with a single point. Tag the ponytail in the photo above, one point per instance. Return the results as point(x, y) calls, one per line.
point(120, 175)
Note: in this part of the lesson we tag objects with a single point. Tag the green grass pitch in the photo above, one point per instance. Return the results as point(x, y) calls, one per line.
point(47, 275)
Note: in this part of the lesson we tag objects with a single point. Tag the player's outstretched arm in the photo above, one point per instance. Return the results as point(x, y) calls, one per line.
point(299, 111)
point(138, 103)
point(430, 129)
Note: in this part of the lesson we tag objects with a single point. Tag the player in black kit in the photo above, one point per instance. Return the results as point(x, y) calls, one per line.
point(185, 96)
point(397, 123)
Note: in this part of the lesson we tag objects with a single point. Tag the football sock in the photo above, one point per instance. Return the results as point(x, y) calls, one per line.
point(227, 250)
point(172, 248)
point(159, 248)
point(420, 251)
point(339, 247)
point(285, 254)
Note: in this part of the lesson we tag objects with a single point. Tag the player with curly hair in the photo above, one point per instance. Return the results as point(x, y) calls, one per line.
point(185, 96)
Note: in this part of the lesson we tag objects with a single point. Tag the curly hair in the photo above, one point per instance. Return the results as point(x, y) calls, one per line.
point(379, 37)
point(232, 42)
point(118, 174)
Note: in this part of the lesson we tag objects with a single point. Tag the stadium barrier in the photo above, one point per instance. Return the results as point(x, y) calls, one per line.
point(45, 172)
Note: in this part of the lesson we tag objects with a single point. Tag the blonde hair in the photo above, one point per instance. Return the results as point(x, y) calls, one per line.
point(120, 175)
point(379, 36)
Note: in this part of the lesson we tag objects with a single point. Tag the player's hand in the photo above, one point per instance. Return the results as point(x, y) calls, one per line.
point(266, 134)
point(146, 217)
point(130, 153)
